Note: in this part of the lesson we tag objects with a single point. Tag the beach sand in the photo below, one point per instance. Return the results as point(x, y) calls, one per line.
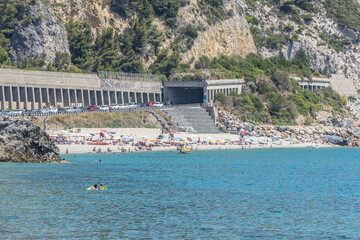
point(154, 133)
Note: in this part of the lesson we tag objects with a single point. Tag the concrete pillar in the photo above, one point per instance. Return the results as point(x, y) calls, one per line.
point(11, 97)
point(96, 99)
point(17, 97)
point(2, 98)
point(75, 97)
point(33, 98)
point(40, 99)
point(82, 97)
point(49, 97)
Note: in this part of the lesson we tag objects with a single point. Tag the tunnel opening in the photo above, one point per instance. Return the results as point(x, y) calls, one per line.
point(185, 95)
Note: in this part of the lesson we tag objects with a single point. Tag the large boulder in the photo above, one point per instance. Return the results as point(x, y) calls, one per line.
point(336, 140)
point(281, 128)
point(23, 141)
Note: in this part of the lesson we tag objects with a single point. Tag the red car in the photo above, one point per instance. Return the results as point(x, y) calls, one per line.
point(150, 104)
point(91, 108)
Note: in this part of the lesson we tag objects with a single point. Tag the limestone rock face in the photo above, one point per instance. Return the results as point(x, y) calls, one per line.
point(229, 37)
point(342, 65)
point(336, 140)
point(23, 141)
point(44, 34)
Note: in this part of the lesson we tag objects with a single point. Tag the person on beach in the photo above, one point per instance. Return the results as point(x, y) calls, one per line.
point(67, 151)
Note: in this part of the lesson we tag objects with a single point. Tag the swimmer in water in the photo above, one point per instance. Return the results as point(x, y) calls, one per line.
point(102, 187)
point(93, 187)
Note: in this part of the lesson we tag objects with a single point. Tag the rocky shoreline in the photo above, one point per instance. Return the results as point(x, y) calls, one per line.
point(22, 141)
point(332, 131)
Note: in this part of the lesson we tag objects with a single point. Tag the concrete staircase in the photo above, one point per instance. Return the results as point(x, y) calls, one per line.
point(193, 117)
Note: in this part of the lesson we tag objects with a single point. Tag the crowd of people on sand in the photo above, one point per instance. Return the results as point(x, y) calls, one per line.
point(183, 146)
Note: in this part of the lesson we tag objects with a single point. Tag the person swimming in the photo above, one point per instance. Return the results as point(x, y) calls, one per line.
point(102, 187)
point(93, 187)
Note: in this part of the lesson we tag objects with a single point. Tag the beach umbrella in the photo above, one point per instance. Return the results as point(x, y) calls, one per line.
point(227, 139)
point(244, 132)
point(180, 139)
point(104, 131)
point(112, 132)
point(276, 138)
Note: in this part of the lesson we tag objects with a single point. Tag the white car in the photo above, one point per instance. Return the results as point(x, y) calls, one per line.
point(45, 110)
point(16, 112)
point(53, 110)
point(104, 108)
point(158, 104)
point(114, 106)
point(133, 105)
point(121, 106)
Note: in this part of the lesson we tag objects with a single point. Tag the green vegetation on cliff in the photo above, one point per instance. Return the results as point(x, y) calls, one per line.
point(12, 12)
point(270, 95)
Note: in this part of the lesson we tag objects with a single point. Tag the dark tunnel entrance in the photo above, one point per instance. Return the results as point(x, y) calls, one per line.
point(185, 95)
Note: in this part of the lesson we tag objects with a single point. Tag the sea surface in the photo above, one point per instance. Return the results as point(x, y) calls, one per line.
point(227, 194)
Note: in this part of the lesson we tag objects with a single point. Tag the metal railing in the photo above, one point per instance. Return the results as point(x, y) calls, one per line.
point(130, 76)
point(145, 108)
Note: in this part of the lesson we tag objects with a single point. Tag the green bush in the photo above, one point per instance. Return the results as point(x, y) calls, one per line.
point(3, 56)
point(221, 97)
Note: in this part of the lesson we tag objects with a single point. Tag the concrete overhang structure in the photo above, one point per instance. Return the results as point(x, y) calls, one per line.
point(183, 92)
point(24, 89)
point(314, 84)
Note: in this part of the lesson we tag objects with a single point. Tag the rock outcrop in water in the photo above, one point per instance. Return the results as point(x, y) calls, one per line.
point(23, 141)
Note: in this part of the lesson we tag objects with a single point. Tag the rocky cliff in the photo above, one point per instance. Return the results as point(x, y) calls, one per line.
point(327, 31)
point(228, 36)
point(42, 36)
point(23, 141)
point(331, 44)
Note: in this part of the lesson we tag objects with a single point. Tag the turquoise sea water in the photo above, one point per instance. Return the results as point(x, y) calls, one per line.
point(233, 194)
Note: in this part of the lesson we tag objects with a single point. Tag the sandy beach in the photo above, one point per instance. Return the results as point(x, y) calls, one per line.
point(154, 133)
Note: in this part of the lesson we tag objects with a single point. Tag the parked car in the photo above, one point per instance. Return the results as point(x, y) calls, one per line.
point(158, 104)
point(61, 110)
point(92, 108)
point(150, 104)
point(44, 111)
point(16, 112)
point(114, 106)
point(143, 105)
point(70, 109)
point(53, 110)
point(133, 105)
point(121, 106)
point(104, 108)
